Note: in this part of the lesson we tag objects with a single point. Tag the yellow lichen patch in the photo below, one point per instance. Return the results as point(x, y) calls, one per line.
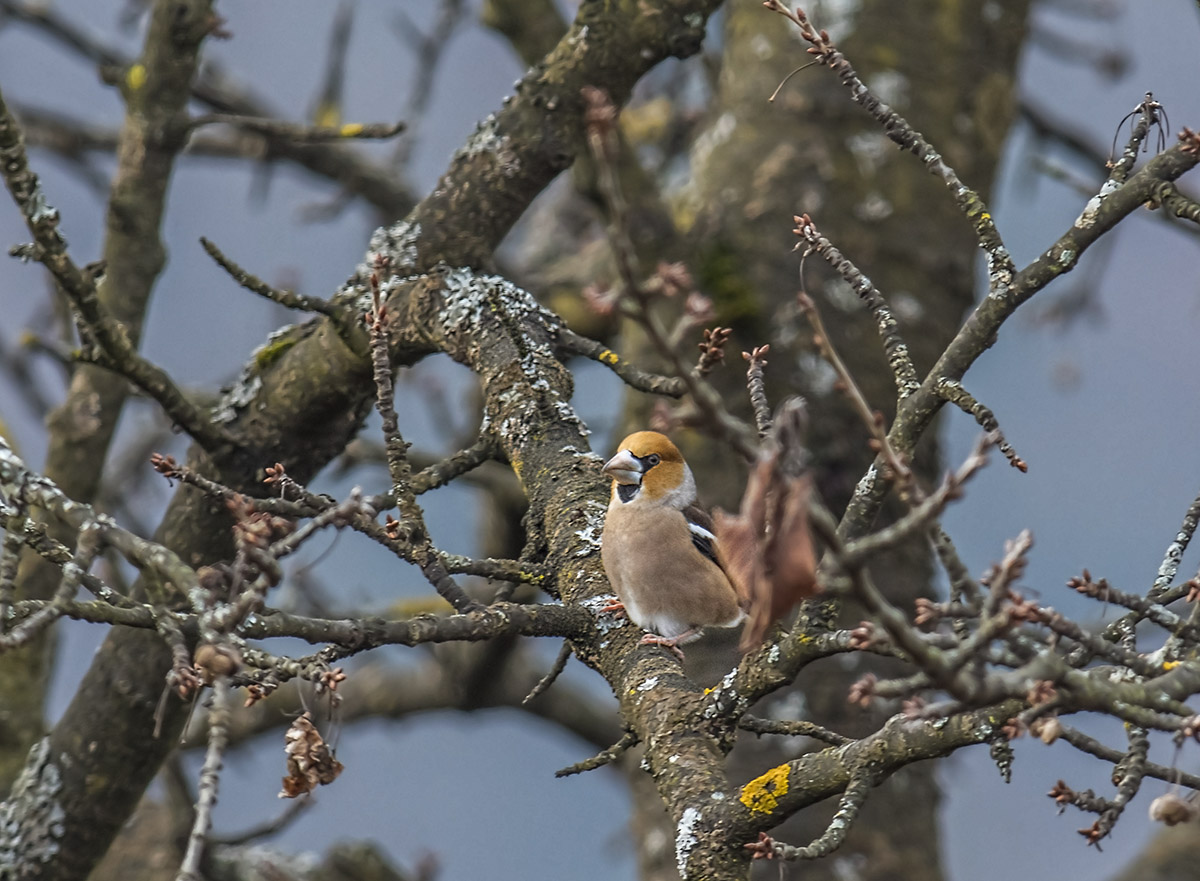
point(1170, 665)
point(352, 129)
point(269, 353)
point(531, 577)
point(135, 78)
point(609, 357)
point(762, 794)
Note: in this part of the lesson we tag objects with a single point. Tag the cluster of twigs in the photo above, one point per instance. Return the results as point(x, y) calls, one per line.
point(987, 650)
point(988, 644)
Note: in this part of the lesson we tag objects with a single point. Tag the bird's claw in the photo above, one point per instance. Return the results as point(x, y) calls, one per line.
point(616, 607)
point(651, 639)
point(763, 849)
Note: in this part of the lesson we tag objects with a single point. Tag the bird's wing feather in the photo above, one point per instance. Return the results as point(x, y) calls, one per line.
point(700, 527)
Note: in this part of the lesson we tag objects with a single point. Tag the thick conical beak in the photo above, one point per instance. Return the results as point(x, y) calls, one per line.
point(624, 468)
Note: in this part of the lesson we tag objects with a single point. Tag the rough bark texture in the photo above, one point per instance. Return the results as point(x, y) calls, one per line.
point(814, 151)
point(156, 90)
point(303, 396)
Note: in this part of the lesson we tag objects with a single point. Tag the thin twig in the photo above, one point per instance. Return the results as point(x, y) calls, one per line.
point(543, 684)
point(287, 816)
point(871, 418)
point(87, 547)
point(793, 728)
point(756, 384)
point(601, 119)
point(210, 778)
point(952, 390)
point(413, 521)
point(111, 345)
point(1088, 744)
point(894, 347)
point(337, 314)
point(604, 757)
point(851, 803)
point(632, 376)
point(898, 129)
point(300, 133)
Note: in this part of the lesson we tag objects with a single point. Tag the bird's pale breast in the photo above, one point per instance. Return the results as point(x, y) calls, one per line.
point(666, 584)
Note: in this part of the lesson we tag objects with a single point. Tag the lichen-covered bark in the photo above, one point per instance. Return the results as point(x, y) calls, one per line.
point(156, 90)
point(303, 404)
point(950, 70)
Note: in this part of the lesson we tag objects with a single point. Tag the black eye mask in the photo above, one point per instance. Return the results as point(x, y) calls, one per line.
point(627, 491)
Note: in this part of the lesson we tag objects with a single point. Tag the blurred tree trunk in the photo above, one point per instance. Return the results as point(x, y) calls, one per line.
point(950, 70)
point(1172, 855)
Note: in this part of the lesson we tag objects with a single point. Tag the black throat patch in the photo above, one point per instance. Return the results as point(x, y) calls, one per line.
point(626, 491)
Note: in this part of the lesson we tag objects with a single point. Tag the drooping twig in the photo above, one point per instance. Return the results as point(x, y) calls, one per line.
point(952, 390)
point(543, 684)
point(894, 347)
point(898, 129)
point(851, 803)
point(1129, 773)
point(291, 300)
point(873, 420)
point(287, 816)
point(1146, 115)
point(634, 377)
point(602, 758)
point(413, 521)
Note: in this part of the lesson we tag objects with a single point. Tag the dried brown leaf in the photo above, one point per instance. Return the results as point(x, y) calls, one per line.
point(766, 548)
point(310, 761)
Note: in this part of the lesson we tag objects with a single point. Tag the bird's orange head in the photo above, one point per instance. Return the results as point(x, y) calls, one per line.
point(649, 468)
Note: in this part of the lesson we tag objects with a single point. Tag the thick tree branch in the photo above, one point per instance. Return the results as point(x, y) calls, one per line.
point(300, 406)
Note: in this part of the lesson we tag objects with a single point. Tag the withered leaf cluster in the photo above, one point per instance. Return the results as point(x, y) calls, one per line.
point(766, 548)
point(310, 761)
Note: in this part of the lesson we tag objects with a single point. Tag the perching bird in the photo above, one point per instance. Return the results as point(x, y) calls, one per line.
point(658, 546)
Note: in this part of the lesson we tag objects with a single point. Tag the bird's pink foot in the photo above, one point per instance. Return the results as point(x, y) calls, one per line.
point(616, 607)
point(671, 643)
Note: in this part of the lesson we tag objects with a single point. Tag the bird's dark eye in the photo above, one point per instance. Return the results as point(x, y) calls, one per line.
point(652, 460)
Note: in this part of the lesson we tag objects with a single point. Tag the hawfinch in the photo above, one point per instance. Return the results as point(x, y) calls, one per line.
point(658, 546)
